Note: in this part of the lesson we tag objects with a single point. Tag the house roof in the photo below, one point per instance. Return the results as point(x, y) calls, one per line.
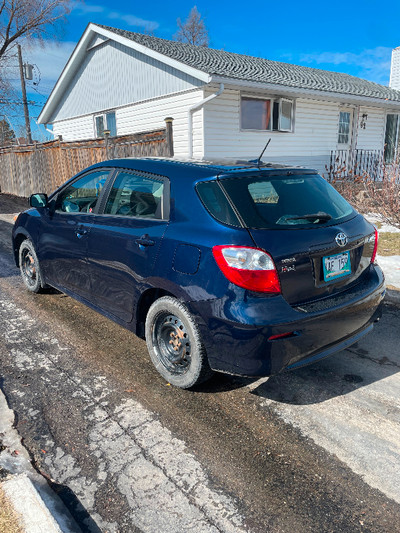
point(255, 69)
point(218, 66)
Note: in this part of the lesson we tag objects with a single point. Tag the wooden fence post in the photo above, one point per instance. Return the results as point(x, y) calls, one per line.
point(169, 136)
point(106, 138)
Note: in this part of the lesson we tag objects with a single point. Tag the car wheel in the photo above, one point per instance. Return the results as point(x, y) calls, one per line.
point(29, 267)
point(174, 344)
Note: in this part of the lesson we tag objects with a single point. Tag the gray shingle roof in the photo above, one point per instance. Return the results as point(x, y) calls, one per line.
point(256, 69)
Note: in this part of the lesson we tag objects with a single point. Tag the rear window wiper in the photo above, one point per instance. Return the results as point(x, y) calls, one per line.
point(322, 217)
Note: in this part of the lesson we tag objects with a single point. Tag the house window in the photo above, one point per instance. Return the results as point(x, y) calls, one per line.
point(272, 114)
point(391, 138)
point(344, 127)
point(106, 121)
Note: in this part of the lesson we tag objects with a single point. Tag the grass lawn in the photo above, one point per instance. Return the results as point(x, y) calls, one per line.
point(389, 243)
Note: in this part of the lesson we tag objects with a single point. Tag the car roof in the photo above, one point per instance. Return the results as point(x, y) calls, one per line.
point(190, 170)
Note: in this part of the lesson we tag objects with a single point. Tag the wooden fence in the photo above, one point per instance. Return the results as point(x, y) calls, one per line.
point(25, 170)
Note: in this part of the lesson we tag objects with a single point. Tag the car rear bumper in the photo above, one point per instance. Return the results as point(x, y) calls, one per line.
point(237, 330)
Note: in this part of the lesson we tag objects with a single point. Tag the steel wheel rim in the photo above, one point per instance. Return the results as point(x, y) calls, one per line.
point(172, 342)
point(29, 268)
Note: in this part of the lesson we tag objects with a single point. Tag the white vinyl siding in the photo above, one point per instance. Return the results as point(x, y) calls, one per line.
point(112, 75)
point(372, 135)
point(147, 116)
point(75, 129)
point(150, 115)
point(217, 133)
point(315, 132)
point(315, 127)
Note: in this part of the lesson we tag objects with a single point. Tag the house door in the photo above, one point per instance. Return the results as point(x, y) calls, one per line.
point(345, 128)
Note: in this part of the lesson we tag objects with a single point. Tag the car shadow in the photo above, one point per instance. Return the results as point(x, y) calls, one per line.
point(339, 376)
point(10, 204)
point(7, 265)
point(75, 507)
point(373, 359)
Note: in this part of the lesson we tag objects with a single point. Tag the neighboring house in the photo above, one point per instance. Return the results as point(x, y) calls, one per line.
point(223, 104)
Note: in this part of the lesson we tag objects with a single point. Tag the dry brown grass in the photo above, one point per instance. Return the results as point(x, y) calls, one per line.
point(9, 520)
point(389, 243)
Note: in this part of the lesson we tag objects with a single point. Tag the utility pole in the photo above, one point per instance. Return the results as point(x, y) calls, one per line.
point(24, 100)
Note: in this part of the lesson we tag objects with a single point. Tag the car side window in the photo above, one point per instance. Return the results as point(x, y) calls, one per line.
point(82, 195)
point(135, 196)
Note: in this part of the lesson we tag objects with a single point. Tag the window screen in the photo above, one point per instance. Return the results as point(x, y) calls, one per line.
point(391, 136)
point(100, 126)
point(344, 127)
point(111, 124)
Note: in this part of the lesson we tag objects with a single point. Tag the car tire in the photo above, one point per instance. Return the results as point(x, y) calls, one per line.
point(29, 267)
point(174, 344)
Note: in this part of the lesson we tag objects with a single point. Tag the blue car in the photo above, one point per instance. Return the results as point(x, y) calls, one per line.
point(242, 268)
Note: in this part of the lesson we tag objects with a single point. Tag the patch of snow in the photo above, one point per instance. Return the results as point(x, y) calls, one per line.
point(385, 227)
point(391, 268)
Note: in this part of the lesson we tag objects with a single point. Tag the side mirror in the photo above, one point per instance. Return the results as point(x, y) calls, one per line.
point(38, 200)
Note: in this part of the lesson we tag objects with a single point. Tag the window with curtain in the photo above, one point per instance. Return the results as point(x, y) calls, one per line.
point(344, 127)
point(271, 114)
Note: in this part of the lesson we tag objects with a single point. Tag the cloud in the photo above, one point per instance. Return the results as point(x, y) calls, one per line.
point(372, 64)
point(80, 8)
point(131, 20)
point(49, 60)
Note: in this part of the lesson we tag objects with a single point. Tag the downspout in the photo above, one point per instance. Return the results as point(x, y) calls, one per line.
point(46, 128)
point(194, 108)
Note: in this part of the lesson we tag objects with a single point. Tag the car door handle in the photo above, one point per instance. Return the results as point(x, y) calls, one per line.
point(144, 241)
point(80, 232)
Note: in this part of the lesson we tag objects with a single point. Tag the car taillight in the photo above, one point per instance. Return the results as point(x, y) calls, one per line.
point(250, 268)
point(373, 257)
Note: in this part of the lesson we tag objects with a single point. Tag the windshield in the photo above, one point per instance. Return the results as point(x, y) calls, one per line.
point(281, 202)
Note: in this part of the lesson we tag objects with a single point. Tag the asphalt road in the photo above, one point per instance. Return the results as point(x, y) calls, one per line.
point(316, 450)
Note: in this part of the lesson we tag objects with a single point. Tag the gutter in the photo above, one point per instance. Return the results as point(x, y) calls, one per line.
point(194, 108)
point(316, 94)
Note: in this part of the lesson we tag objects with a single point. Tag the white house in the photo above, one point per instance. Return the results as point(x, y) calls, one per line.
point(223, 104)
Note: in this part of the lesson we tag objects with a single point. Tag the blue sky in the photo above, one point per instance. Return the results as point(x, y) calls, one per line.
point(353, 37)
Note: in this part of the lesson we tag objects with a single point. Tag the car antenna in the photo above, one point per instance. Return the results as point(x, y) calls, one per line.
point(258, 161)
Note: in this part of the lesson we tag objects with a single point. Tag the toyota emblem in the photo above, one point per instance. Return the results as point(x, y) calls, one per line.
point(341, 239)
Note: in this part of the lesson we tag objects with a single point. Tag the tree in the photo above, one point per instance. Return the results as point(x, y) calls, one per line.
point(7, 135)
point(193, 30)
point(28, 20)
point(31, 19)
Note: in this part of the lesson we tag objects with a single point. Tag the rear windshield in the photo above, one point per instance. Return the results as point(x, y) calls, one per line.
point(275, 202)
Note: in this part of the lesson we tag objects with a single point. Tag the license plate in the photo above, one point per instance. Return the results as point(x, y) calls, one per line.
point(336, 266)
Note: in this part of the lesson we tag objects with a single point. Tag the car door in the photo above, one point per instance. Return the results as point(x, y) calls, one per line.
point(124, 240)
point(65, 228)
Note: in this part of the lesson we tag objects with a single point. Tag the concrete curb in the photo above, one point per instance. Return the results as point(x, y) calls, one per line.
point(27, 490)
point(34, 515)
point(393, 297)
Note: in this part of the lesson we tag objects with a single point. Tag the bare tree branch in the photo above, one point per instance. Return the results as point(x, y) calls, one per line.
point(30, 19)
point(193, 30)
